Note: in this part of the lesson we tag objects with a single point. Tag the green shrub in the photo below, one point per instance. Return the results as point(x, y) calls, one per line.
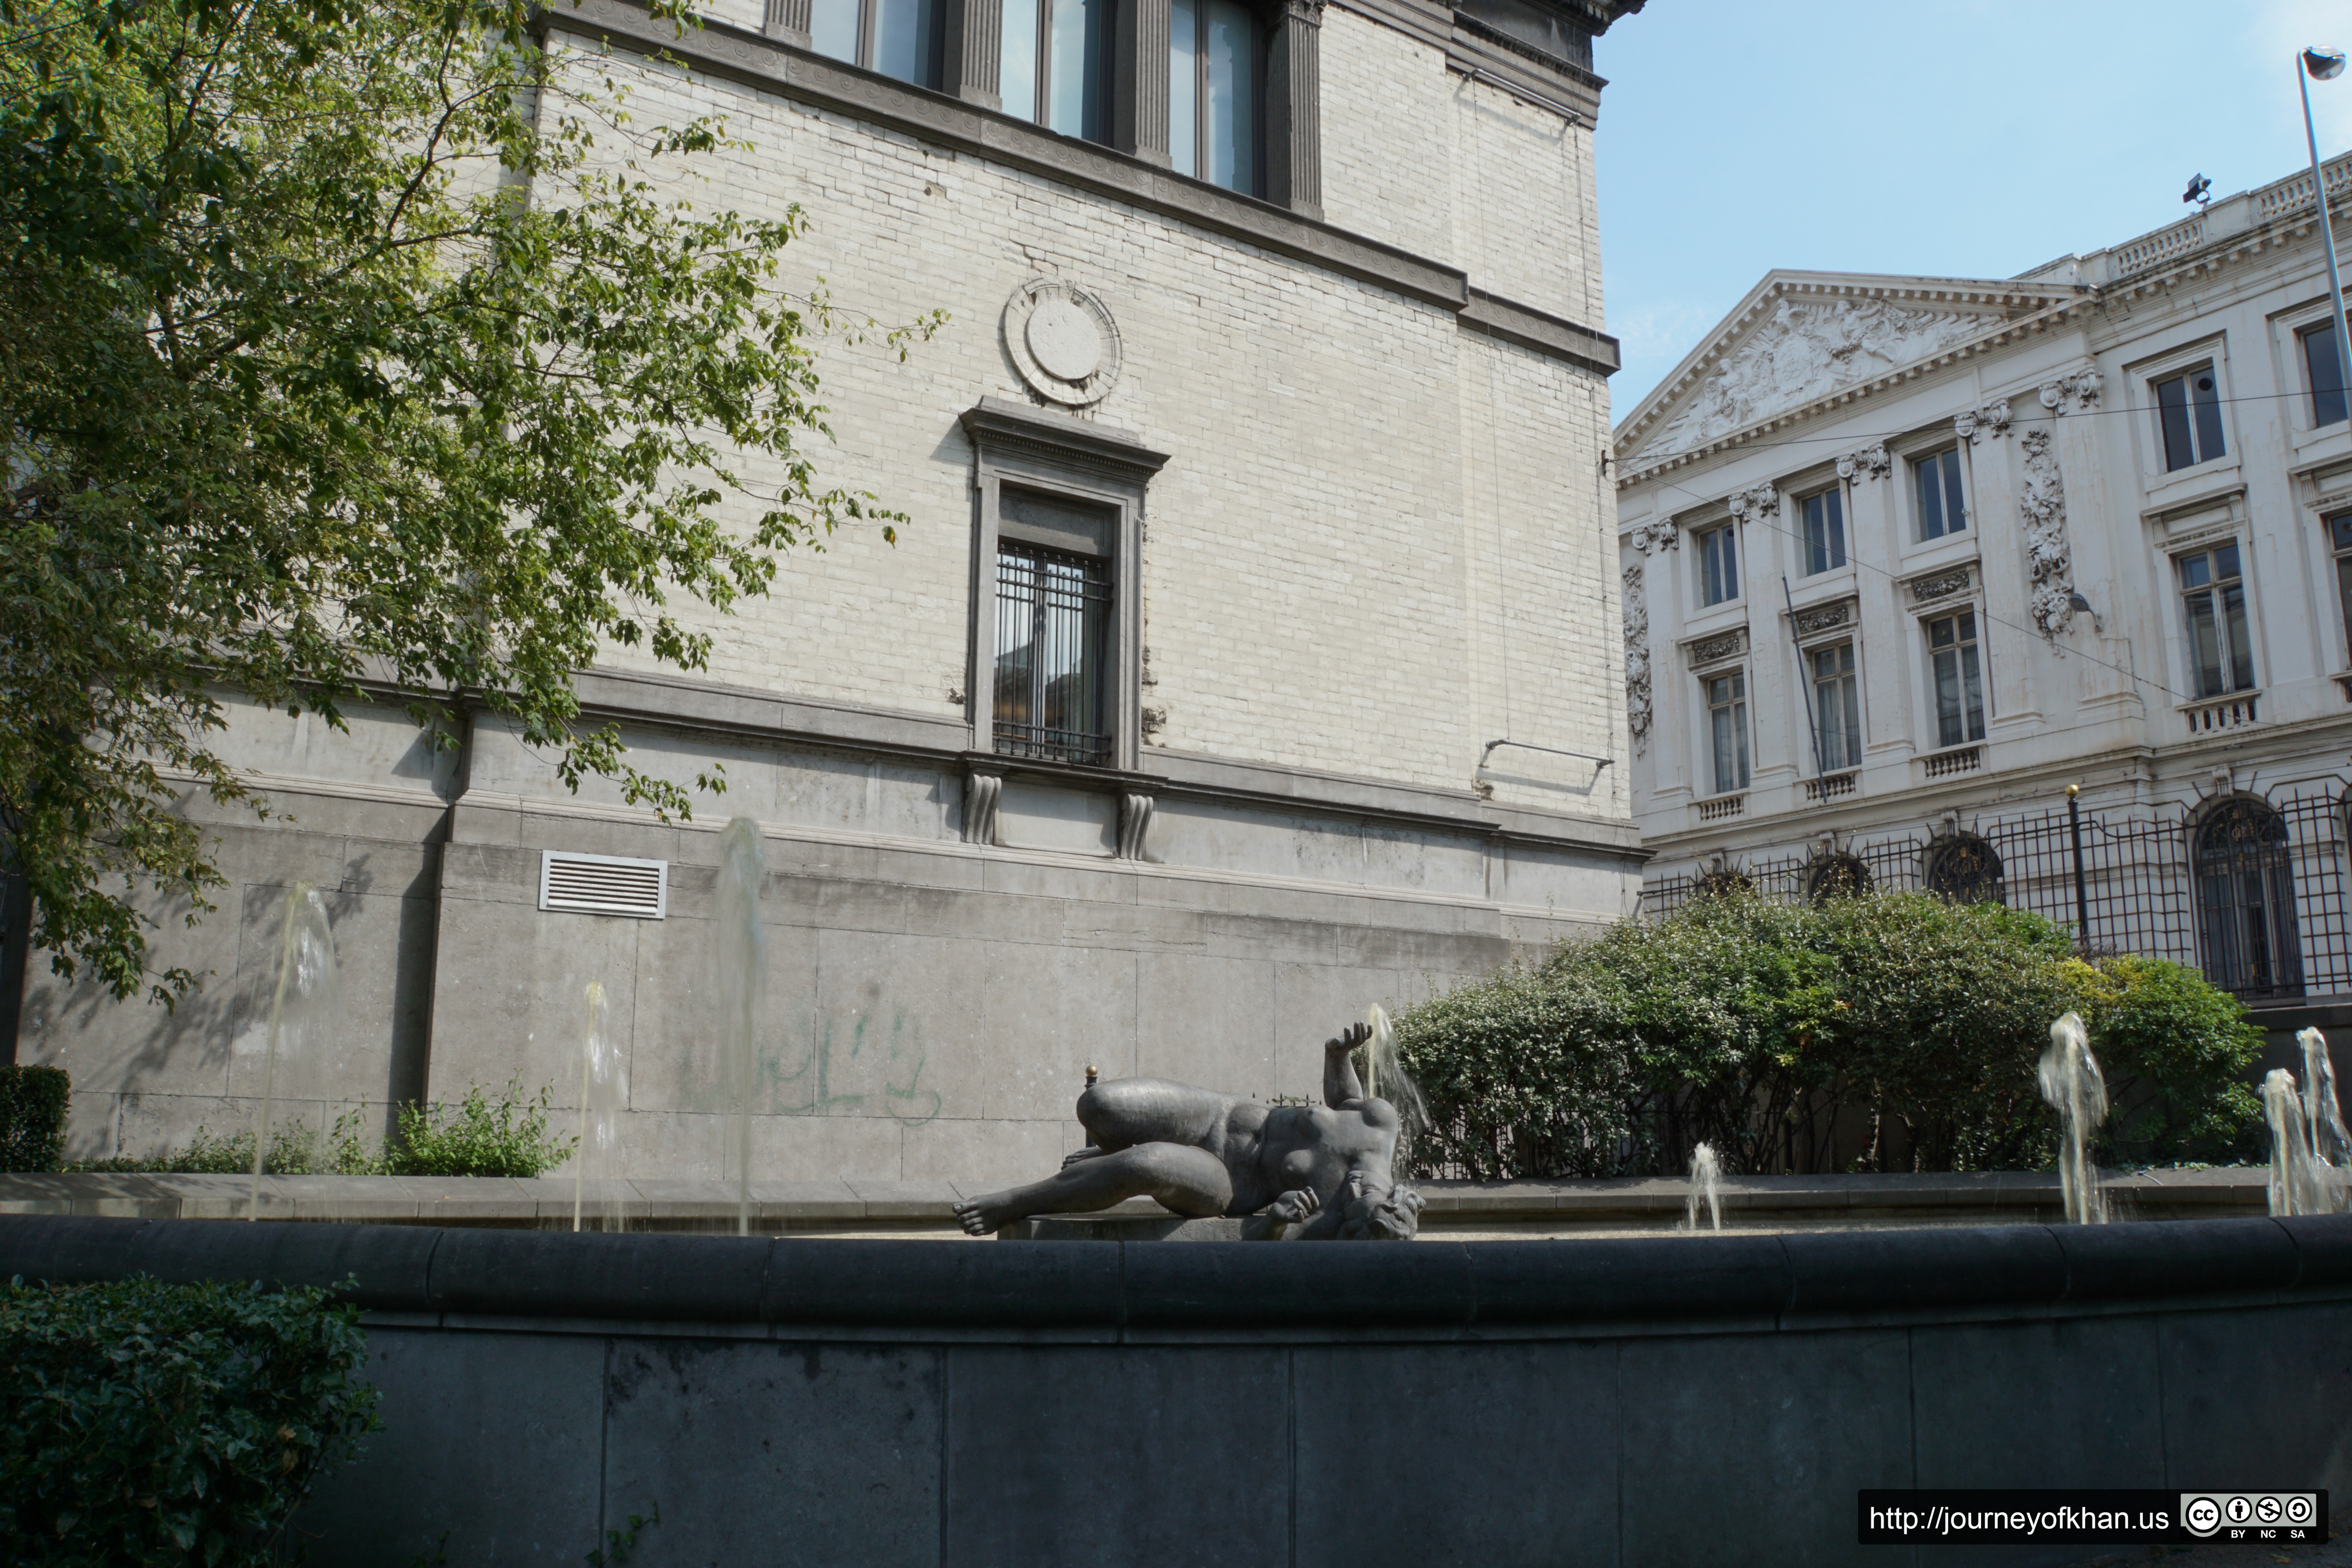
point(1775, 1032)
point(33, 1101)
point(2176, 1053)
point(144, 1422)
point(478, 1137)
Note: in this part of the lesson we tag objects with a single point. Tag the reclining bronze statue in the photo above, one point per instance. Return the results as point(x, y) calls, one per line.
point(1311, 1172)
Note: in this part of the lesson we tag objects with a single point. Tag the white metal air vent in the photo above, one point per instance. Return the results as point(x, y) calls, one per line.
point(604, 885)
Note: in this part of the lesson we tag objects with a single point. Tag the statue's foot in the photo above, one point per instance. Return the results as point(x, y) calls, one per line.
point(987, 1215)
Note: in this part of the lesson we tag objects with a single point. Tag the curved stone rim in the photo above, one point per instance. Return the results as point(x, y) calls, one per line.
point(1071, 393)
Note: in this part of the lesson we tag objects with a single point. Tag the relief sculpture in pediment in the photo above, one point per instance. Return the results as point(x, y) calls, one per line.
point(1808, 350)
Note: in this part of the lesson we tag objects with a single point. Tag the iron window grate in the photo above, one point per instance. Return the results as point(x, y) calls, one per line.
point(1053, 627)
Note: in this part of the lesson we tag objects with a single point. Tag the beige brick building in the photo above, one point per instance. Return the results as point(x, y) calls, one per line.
point(1247, 512)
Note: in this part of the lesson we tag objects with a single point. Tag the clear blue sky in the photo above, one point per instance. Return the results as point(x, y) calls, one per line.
point(1959, 138)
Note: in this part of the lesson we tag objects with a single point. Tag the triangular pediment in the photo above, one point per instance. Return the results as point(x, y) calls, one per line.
point(1800, 337)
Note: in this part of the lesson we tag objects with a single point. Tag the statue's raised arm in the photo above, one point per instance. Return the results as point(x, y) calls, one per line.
point(1316, 1171)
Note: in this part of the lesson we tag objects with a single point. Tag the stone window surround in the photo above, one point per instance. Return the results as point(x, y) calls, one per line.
point(1061, 455)
point(2208, 347)
point(1918, 446)
point(2289, 326)
point(773, 65)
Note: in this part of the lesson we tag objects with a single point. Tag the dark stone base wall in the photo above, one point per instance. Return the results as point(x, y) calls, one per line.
point(1700, 1400)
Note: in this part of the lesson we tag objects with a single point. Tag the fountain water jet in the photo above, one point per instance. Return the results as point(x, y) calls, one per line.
point(2299, 1182)
point(2331, 1145)
point(604, 1092)
point(1706, 1186)
point(742, 969)
point(2072, 1084)
point(305, 988)
point(1384, 1074)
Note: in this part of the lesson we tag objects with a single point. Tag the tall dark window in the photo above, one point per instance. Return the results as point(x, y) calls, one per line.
point(1719, 565)
point(896, 37)
point(1936, 481)
point(1727, 706)
point(1824, 531)
point(2326, 368)
point(2247, 936)
point(1837, 707)
point(1053, 628)
point(1965, 869)
point(2339, 539)
point(1960, 680)
point(1056, 65)
point(2188, 412)
point(1214, 71)
point(2220, 649)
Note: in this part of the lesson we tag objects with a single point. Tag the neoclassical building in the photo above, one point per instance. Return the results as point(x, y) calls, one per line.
point(1250, 655)
point(1903, 558)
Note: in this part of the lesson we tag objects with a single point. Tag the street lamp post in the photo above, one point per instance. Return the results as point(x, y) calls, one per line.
point(2081, 888)
point(2325, 65)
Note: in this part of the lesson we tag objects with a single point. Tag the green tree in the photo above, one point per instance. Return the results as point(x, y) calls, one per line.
point(353, 347)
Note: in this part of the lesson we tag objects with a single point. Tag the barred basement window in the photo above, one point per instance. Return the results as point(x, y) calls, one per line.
point(1053, 627)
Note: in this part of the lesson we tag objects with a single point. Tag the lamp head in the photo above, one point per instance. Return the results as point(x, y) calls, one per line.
point(2325, 65)
point(2198, 187)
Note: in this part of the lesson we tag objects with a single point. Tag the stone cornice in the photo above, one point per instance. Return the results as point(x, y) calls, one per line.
point(672, 703)
point(1554, 335)
point(1996, 336)
point(773, 65)
point(1005, 423)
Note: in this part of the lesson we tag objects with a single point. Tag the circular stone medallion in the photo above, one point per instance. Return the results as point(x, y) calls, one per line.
point(1063, 341)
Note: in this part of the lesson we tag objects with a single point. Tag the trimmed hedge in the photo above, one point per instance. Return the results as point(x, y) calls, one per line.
point(144, 1423)
point(33, 1102)
point(1888, 1031)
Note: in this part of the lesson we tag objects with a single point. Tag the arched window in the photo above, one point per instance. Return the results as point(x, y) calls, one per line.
point(1965, 869)
point(1722, 880)
point(2245, 900)
point(1836, 876)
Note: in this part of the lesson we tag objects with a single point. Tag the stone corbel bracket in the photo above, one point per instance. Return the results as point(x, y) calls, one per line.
point(1976, 424)
point(1135, 809)
point(2072, 394)
point(1760, 505)
point(1873, 462)
point(981, 792)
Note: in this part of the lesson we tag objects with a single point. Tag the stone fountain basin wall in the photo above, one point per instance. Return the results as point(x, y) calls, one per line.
point(1700, 1400)
point(1456, 1209)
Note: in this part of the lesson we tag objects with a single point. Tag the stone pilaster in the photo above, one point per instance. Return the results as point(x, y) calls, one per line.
point(1140, 95)
point(1293, 109)
point(974, 50)
point(788, 22)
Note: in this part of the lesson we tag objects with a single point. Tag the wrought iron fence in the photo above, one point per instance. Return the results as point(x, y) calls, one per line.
point(2251, 890)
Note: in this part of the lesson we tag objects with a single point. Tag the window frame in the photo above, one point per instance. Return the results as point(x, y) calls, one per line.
point(1060, 457)
point(1736, 704)
point(1832, 500)
point(868, 26)
point(1915, 461)
point(1703, 562)
point(1260, 48)
point(2340, 554)
point(2225, 641)
point(1042, 76)
point(2193, 424)
point(2303, 336)
point(1974, 639)
point(1849, 677)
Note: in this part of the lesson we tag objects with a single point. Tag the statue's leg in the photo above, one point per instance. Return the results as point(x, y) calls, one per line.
point(1129, 1111)
point(1190, 1181)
